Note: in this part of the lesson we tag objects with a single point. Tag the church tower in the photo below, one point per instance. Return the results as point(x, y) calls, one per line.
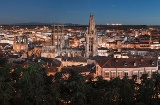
point(20, 43)
point(54, 49)
point(91, 39)
point(58, 39)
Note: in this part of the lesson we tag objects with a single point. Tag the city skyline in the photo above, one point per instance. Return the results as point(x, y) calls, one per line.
point(127, 12)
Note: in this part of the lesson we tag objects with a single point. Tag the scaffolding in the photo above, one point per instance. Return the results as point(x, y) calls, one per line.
point(57, 38)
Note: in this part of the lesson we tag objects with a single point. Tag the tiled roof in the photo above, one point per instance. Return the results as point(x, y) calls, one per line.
point(79, 59)
point(80, 69)
point(51, 61)
point(127, 62)
point(75, 59)
point(98, 57)
point(139, 49)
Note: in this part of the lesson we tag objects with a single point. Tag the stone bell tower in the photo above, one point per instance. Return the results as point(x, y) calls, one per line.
point(20, 43)
point(91, 39)
point(54, 49)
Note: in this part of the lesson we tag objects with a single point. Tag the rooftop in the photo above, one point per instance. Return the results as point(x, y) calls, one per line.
point(127, 62)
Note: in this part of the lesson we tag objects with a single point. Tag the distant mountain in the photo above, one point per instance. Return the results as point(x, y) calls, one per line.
point(32, 23)
point(37, 23)
point(71, 24)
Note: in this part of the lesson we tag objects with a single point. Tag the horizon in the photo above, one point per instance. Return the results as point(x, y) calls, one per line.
point(43, 23)
point(126, 12)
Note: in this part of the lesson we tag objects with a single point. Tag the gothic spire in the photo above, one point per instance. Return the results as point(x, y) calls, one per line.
point(91, 24)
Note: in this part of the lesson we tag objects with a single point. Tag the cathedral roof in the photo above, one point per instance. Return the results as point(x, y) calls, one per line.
point(75, 59)
point(79, 59)
point(51, 61)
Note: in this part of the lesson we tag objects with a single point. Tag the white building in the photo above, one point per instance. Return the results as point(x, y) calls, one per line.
point(114, 67)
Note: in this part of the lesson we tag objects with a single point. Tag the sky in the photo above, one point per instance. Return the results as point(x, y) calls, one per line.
point(127, 12)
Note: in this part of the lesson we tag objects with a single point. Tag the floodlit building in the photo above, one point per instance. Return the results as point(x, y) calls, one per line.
point(91, 39)
point(20, 43)
point(120, 67)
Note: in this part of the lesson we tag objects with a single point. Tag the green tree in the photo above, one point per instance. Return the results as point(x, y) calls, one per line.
point(76, 87)
point(126, 92)
point(32, 85)
point(6, 91)
point(6, 88)
point(146, 90)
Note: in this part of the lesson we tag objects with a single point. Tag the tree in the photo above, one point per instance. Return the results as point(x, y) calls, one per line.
point(6, 92)
point(32, 85)
point(6, 88)
point(126, 92)
point(146, 90)
point(76, 86)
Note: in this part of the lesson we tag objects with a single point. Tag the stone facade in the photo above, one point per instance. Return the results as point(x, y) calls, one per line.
point(20, 43)
point(114, 67)
point(48, 52)
point(91, 39)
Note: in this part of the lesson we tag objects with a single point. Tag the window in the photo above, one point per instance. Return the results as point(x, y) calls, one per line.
point(140, 64)
point(125, 63)
point(120, 64)
point(113, 74)
point(125, 73)
point(120, 74)
point(140, 73)
point(152, 62)
point(153, 71)
point(107, 65)
point(113, 64)
point(90, 44)
point(106, 74)
point(135, 73)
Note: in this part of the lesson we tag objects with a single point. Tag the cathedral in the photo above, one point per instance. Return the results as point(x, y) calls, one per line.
point(91, 47)
point(57, 44)
point(54, 49)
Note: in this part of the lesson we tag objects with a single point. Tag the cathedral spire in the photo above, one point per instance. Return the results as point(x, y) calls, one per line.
point(53, 35)
point(91, 39)
point(91, 24)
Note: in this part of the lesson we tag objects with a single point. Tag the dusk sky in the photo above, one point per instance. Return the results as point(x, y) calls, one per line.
point(128, 12)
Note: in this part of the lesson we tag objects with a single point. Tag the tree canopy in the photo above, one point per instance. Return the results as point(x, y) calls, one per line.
point(32, 86)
